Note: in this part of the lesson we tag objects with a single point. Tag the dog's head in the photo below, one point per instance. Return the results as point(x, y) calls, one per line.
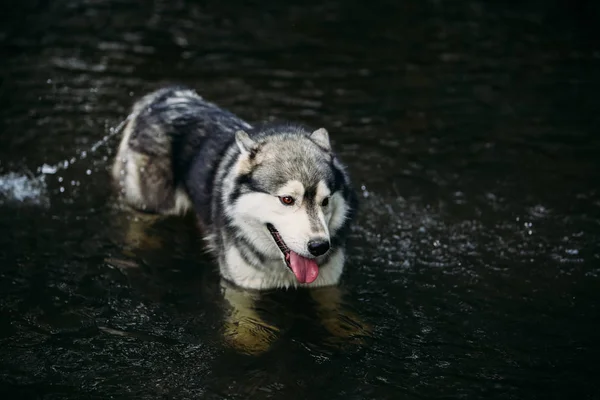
point(291, 197)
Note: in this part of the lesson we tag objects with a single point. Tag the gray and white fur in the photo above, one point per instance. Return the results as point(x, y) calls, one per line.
point(179, 153)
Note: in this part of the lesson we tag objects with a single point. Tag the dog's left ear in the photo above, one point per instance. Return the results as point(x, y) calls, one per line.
point(321, 137)
point(247, 146)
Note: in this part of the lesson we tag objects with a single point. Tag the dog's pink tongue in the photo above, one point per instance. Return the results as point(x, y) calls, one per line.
point(305, 269)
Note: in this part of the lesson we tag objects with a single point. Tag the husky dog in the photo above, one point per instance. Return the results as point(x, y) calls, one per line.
point(274, 201)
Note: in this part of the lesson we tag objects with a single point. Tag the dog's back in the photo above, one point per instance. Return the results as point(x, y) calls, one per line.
point(165, 131)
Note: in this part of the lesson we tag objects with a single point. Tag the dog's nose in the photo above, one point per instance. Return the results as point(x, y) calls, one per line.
point(318, 247)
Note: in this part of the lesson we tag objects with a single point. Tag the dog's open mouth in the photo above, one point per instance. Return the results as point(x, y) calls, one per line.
point(305, 269)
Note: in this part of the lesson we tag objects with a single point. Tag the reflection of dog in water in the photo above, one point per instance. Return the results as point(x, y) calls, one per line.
point(274, 201)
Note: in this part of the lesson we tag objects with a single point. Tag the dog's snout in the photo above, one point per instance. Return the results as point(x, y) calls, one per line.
point(318, 247)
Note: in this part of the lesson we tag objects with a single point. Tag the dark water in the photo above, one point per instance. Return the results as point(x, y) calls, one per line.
point(470, 129)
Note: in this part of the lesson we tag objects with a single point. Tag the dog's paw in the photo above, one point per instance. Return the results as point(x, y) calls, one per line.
point(249, 336)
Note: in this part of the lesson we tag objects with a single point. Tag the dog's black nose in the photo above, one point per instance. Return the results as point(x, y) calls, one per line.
point(318, 247)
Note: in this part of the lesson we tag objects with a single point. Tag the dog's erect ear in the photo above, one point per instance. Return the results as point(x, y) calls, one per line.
point(247, 146)
point(321, 137)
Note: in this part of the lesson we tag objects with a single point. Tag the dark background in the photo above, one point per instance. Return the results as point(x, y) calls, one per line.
point(470, 129)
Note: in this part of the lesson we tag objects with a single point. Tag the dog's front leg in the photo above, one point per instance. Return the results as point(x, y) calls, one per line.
point(345, 325)
point(244, 329)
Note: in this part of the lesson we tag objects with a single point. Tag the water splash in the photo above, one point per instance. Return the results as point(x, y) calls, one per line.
point(47, 169)
point(23, 188)
point(27, 188)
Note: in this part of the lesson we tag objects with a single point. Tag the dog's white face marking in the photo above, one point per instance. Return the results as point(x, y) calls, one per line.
point(338, 210)
point(310, 216)
point(293, 221)
point(294, 189)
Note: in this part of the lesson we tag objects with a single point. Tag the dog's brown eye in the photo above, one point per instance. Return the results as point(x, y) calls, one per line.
point(325, 202)
point(286, 200)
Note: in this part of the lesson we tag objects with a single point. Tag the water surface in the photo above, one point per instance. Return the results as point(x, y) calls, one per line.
point(470, 129)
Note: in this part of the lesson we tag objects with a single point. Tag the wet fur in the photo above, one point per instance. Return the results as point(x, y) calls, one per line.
point(180, 153)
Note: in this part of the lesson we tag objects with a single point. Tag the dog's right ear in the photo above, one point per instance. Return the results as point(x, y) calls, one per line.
point(247, 146)
point(321, 138)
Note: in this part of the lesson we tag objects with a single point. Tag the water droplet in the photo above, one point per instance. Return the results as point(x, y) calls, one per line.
point(47, 169)
point(88, 172)
point(62, 189)
point(49, 81)
point(365, 191)
point(437, 243)
point(60, 178)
